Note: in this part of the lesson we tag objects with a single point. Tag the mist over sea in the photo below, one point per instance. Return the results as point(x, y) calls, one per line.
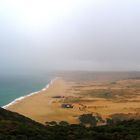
point(15, 86)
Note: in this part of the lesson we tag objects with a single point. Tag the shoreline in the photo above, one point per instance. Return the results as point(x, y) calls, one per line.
point(29, 95)
point(44, 107)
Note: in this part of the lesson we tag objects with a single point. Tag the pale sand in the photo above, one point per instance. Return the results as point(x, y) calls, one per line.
point(39, 106)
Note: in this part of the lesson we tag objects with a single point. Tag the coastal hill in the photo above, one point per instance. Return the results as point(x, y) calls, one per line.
point(14, 126)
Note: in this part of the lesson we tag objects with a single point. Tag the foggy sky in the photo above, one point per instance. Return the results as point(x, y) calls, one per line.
point(96, 35)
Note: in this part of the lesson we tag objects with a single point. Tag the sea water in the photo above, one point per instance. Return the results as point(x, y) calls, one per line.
point(13, 88)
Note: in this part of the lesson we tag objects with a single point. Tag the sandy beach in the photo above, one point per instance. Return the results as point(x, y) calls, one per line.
point(39, 106)
point(85, 97)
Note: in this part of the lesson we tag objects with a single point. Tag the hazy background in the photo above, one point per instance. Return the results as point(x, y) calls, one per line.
point(44, 35)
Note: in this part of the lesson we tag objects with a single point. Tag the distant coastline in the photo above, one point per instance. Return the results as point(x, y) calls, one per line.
point(99, 94)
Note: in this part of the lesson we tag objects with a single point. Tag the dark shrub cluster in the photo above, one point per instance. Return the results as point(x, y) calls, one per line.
point(16, 127)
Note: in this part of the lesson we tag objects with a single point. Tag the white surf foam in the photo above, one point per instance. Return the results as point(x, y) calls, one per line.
point(23, 97)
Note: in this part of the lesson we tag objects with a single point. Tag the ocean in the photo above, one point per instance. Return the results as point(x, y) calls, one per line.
point(14, 87)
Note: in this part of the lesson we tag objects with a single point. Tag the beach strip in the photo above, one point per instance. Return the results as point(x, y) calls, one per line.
point(37, 106)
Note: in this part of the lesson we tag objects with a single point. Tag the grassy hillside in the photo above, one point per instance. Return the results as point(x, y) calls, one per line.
point(17, 127)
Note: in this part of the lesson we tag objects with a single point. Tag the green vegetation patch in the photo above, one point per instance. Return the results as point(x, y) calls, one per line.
point(17, 127)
